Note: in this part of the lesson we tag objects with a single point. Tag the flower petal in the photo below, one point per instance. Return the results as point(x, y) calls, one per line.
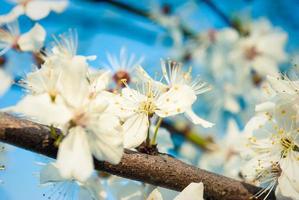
point(74, 159)
point(193, 190)
point(155, 195)
point(135, 130)
point(197, 120)
point(175, 101)
point(6, 82)
point(106, 139)
point(33, 40)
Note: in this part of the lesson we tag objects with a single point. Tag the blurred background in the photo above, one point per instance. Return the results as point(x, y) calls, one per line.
point(152, 30)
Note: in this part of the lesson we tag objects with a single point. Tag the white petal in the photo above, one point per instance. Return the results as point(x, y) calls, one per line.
point(74, 159)
point(280, 85)
point(33, 40)
point(106, 139)
point(263, 107)
point(192, 191)
point(12, 15)
point(37, 10)
point(175, 101)
point(287, 188)
point(197, 120)
point(40, 109)
point(164, 140)
point(145, 77)
point(100, 81)
point(265, 66)
point(6, 82)
point(59, 6)
point(155, 195)
point(135, 130)
point(50, 173)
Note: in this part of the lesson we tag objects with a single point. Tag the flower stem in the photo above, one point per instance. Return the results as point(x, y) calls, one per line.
point(156, 131)
point(147, 141)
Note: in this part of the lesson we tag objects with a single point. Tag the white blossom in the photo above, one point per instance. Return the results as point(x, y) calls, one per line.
point(137, 106)
point(263, 50)
point(186, 88)
point(34, 9)
point(122, 67)
point(64, 94)
point(10, 37)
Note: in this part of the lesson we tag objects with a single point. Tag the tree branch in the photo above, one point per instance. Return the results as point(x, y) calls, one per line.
point(143, 13)
point(161, 170)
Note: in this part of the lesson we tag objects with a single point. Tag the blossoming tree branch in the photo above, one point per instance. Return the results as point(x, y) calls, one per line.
point(95, 121)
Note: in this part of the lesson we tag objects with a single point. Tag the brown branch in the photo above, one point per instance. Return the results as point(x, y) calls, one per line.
point(161, 170)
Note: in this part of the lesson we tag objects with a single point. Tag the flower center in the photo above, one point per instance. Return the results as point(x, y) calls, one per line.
point(148, 107)
point(287, 145)
point(120, 76)
point(251, 53)
point(79, 119)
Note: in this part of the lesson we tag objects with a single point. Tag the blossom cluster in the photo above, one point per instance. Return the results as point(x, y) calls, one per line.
point(100, 112)
point(272, 149)
point(66, 92)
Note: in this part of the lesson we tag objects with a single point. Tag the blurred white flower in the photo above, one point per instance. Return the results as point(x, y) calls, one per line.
point(226, 158)
point(34, 9)
point(192, 191)
point(122, 67)
point(6, 82)
point(162, 14)
point(281, 90)
point(91, 189)
point(274, 151)
point(262, 50)
point(11, 38)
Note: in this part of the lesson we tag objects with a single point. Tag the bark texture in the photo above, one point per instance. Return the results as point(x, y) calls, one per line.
point(161, 170)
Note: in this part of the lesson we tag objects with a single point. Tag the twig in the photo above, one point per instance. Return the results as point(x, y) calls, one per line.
point(142, 13)
point(160, 170)
point(219, 12)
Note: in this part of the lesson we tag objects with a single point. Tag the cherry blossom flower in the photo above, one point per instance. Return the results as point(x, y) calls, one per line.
point(34, 9)
point(192, 191)
point(138, 106)
point(11, 38)
point(263, 50)
point(122, 67)
point(66, 96)
point(177, 79)
point(273, 149)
